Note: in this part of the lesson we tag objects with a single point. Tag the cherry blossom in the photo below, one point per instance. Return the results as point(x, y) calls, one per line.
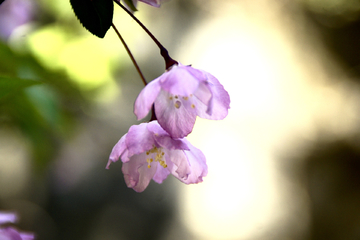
point(181, 94)
point(148, 152)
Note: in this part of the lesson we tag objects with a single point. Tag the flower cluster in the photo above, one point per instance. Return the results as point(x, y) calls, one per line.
point(10, 233)
point(154, 150)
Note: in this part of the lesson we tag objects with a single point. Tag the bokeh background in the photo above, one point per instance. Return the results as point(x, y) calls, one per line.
point(284, 164)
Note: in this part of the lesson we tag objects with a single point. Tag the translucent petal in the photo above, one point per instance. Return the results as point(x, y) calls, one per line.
point(174, 117)
point(139, 139)
point(146, 99)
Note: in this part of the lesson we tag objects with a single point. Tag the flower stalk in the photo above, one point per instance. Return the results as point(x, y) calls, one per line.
point(130, 54)
point(164, 53)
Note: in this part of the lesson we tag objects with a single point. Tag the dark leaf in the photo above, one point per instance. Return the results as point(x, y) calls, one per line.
point(1, 1)
point(95, 15)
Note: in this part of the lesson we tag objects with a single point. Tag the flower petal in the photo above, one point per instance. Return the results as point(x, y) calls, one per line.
point(9, 233)
point(203, 93)
point(117, 150)
point(220, 101)
point(180, 166)
point(7, 217)
point(177, 119)
point(163, 138)
point(161, 173)
point(197, 163)
point(146, 98)
point(179, 80)
point(139, 139)
point(137, 175)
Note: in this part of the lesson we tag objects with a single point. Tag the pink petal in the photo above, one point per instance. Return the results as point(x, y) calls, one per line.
point(178, 120)
point(137, 175)
point(180, 167)
point(161, 173)
point(9, 233)
point(139, 139)
point(117, 150)
point(7, 217)
point(197, 163)
point(203, 93)
point(27, 236)
point(220, 102)
point(163, 138)
point(179, 81)
point(146, 99)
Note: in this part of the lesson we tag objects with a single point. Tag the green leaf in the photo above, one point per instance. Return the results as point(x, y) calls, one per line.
point(95, 15)
point(9, 86)
point(130, 4)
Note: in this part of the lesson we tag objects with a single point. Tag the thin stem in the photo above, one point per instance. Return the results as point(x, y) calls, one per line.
point(130, 55)
point(164, 53)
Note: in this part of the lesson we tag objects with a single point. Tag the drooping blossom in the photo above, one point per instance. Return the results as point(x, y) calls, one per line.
point(181, 94)
point(148, 152)
point(11, 233)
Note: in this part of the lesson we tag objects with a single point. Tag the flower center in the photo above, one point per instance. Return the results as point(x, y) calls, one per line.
point(158, 155)
point(177, 100)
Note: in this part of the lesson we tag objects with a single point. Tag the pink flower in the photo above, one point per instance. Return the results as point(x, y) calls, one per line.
point(10, 233)
point(148, 152)
point(181, 94)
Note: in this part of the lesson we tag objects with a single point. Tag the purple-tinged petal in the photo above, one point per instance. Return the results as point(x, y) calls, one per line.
point(163, 138)
point(154, 3)
point(197, 163)
point(161, 173)
point(117, 150)
point(180, 167)
point(139, 139)
point(176, 118)
point(220, 101)
point(156, 129)
point(179, 81)
point(146, 99)
point(27, 236)
point(7, 217)
point(170, 143)
point(137, 175)
point(203, 93)
point(196, 73)
point(9, 233)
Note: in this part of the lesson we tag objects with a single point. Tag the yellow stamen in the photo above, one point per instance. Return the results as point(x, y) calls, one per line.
point(158, 156)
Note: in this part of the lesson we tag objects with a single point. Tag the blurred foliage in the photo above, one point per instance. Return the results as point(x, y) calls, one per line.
point(10, 86)
point(44, 113)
